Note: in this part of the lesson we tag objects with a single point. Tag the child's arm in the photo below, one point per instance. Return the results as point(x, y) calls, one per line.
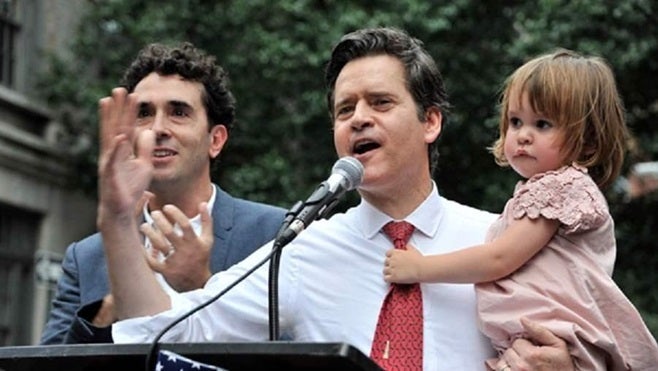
point(481, 263)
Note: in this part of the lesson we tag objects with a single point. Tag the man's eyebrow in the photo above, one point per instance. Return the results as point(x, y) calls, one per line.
point(179, 104)
point(145, 104)
point(342, 101)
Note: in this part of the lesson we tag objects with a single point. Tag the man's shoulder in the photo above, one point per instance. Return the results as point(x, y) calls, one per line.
point(89, 249)
point(250, 206)
point(246, 211)
point(92, 240)
point(471, 214)
point(259, 207)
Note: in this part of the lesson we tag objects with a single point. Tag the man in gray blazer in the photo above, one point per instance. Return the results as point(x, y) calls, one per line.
point(184, 100)
point(239, 226)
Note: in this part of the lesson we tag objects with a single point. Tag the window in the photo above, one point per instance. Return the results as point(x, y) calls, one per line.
point(8, 31)
point(18, 236)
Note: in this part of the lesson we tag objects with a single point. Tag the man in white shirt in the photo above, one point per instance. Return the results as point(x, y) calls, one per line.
point(387, 102)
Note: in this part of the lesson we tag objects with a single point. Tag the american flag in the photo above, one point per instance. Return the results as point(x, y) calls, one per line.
point(170, 361)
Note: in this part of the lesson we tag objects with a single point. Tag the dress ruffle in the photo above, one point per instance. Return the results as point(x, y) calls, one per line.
point(566, 195)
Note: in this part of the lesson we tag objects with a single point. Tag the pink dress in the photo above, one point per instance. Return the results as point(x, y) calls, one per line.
point(567, 287)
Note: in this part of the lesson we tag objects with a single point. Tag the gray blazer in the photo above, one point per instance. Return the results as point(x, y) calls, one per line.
point(239, 228)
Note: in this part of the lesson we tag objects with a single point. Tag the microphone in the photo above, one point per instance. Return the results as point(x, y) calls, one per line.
point(346, 174)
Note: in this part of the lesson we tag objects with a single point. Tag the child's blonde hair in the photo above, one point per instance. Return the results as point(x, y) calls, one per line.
point(579, 95)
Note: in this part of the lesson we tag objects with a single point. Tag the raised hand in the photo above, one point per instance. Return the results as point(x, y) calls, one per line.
point(178, 253)
point(125, 168)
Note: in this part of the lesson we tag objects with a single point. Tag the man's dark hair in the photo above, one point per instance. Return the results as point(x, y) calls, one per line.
point(192, 64)
point(423, 78)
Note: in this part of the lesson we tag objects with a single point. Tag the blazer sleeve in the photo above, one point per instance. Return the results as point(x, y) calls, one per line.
point(66, 301)
point(69, 320)
point(82, 331)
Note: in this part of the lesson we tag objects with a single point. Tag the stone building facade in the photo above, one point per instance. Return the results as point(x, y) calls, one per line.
point(40, 213)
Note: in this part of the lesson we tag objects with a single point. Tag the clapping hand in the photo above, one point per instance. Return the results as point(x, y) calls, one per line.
point(186, 262)
point(125, 168)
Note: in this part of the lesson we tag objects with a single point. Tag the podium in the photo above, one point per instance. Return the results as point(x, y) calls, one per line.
point(279, 355)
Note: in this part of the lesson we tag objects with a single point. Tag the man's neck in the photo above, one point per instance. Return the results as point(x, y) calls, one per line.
point(398, 202)
point(187, 200)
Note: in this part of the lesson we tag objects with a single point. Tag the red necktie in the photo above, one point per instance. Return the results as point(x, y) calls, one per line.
point(398, 342)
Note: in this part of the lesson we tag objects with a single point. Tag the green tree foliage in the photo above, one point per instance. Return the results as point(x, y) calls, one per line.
point(635, 270)
point(275, 54)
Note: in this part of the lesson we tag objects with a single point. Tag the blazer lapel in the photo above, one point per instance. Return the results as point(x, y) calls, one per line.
point(222, 214)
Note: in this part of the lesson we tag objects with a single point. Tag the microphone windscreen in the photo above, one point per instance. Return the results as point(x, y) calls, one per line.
point(351, 169)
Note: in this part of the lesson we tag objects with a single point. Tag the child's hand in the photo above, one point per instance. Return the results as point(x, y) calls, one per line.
point(402, 266)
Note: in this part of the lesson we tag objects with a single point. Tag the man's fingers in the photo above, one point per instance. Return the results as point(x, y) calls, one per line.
point(106, 113)
point(206, 223)
point(118, 114)
point(176, 216)
point(167, 222)
point(509, 361)
point(144, 145)
point(110, 110)
point(127, 115)
point(540, 335)
point(539, 350)
point(512, 356)
point(154, 261)
point(158, 241)
point(162, 223)
point(105, 127)
point(116, 148)
point(146, 197)
point(115, 135)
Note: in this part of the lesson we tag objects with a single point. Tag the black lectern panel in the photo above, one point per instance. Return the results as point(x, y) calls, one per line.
point(231, 356)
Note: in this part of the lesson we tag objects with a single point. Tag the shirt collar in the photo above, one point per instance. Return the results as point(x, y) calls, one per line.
point(425, 218)
point(194, 220)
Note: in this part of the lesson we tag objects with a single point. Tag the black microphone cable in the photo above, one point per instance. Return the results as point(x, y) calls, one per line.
point(150, 356)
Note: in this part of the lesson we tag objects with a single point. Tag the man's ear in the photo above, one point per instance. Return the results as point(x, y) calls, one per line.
point(218, 137)
point(433, 124)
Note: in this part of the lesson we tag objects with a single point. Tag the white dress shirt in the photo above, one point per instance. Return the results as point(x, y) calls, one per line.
point(331, 289)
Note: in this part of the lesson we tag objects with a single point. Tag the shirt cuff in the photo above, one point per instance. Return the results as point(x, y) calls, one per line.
point(144, 329)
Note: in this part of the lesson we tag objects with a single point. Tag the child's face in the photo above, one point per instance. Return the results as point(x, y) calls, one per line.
point(533, 143)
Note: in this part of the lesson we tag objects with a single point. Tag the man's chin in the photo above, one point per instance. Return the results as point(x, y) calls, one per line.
point(161, 177)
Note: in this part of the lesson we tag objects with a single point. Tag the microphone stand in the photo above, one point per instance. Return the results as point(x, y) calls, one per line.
point(346, 174)
point(273, 282)
point(285, 236)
